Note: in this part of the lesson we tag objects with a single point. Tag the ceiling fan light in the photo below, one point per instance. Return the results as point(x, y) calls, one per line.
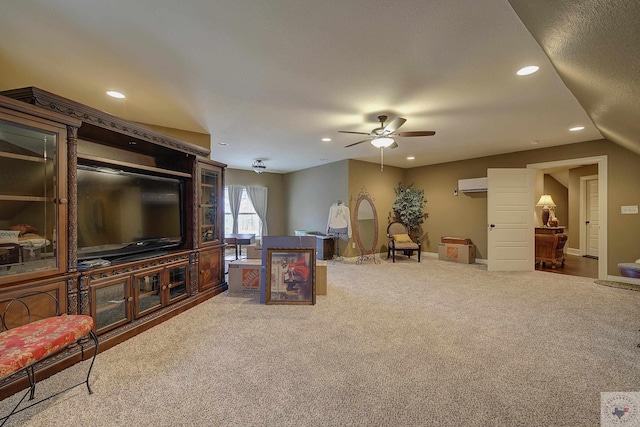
point(382, 142)
point(258, 166)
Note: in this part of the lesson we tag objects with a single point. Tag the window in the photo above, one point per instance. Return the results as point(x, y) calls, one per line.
point(248, 220)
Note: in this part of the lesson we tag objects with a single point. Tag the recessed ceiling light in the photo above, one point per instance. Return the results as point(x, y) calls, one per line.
point(534, 142)
point(576, 128)
point(326, 139)
point(527, 70)
point(411, 158)
point(115, 94)
point(323, 159)
point(222, 144)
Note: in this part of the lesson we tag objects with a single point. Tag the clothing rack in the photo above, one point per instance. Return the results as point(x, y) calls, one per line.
point(337, 237)
point(339, 225)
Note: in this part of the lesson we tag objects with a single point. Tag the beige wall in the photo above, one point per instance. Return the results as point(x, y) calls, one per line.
point(277, 195)
point(196, 138)
point(311, 192)
point(560, 195)
point(466, 215)
point(380, 186)
point(301, 200)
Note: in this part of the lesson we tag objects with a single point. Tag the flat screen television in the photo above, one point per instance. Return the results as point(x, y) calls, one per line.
point(124, 213)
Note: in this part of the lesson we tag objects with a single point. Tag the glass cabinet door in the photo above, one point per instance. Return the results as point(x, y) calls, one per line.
point(110, 304)
point(209, 205)
point(28, 210)
point(148, 288)
point(178, 279)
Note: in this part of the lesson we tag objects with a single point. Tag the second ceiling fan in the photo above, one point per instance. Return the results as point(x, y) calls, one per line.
point(382, 137)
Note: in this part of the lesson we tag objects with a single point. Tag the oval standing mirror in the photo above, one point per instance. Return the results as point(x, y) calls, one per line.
point(366, 227)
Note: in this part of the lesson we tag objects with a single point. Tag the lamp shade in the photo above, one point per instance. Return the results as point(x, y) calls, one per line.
point(546, 200)
point(382, 141)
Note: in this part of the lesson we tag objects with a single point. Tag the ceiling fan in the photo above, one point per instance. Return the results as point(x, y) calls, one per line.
point(382, 137)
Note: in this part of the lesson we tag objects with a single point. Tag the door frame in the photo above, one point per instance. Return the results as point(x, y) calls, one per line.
point(601, 161)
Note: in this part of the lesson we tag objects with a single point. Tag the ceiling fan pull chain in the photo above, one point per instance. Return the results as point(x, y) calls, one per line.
point(381, 159)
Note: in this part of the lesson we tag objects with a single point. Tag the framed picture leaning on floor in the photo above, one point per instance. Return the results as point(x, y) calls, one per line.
point(291, 277)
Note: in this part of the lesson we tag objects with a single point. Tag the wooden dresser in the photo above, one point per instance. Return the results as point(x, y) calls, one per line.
point(550, 243)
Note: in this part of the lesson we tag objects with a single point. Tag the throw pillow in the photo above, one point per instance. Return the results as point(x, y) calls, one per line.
point(402, 238)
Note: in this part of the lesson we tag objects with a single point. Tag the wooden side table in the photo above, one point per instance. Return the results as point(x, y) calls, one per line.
point(237, 240)
point(550, 243)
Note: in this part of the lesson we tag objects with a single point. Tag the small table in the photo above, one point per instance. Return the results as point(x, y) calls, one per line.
point(238, 240)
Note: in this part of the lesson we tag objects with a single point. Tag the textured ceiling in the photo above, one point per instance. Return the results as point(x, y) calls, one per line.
point(595, 47)
point(272, 78)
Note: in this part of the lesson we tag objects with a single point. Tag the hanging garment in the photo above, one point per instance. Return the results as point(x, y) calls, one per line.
point(339, 220)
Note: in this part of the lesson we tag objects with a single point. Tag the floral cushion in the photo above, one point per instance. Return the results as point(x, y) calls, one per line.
point(26, 344)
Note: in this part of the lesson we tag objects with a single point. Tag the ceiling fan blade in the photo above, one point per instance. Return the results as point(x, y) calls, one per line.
point(394, 145)
point(418, 133)
point(395, 124)
point(356, 143)
point(357, 133)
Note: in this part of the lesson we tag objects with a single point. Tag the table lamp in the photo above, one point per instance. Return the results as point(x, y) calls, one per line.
point(546, 202)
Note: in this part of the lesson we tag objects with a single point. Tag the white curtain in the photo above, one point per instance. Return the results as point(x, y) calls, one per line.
point(258, 197)
point(235, 195)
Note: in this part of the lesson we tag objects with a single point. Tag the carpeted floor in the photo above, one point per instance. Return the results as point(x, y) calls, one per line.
point(404, 344)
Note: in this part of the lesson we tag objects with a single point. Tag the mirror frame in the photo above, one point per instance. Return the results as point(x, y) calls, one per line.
point(364, 195)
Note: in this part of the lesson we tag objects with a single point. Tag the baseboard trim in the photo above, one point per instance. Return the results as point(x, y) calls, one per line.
point(573, 251)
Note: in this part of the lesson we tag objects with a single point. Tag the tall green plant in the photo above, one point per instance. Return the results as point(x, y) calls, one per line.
point(409, 206)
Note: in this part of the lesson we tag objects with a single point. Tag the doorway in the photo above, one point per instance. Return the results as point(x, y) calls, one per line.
point(599, 210)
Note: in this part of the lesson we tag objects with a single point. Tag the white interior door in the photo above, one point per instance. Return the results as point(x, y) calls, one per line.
point(510, 213)
point(592, 222)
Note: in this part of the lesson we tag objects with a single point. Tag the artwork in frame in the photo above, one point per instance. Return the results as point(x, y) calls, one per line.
point(291, 276)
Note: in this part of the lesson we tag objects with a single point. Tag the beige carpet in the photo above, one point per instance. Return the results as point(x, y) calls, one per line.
point(404, 344)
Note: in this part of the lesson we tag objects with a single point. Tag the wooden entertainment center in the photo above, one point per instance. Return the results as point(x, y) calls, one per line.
point(44, 141)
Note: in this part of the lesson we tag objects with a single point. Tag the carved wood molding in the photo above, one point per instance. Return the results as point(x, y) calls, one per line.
point(132, 267)
point(72, 196)
point(99, 118)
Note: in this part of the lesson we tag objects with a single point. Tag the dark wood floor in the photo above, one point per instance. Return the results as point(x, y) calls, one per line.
point(574, 266)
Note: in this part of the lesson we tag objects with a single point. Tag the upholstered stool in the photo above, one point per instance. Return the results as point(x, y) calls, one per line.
point(23, 346)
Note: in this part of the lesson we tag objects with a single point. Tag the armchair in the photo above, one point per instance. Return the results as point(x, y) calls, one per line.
point(399, 240)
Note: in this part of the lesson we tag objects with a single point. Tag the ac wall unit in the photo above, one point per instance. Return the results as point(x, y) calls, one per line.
point(473, 185)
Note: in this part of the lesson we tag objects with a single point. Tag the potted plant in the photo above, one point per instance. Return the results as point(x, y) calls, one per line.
point(409, 207)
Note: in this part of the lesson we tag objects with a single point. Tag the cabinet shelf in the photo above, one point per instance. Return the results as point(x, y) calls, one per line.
point(142, 295)
point(15, 156)
point(10, 198)
point(110, 306)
